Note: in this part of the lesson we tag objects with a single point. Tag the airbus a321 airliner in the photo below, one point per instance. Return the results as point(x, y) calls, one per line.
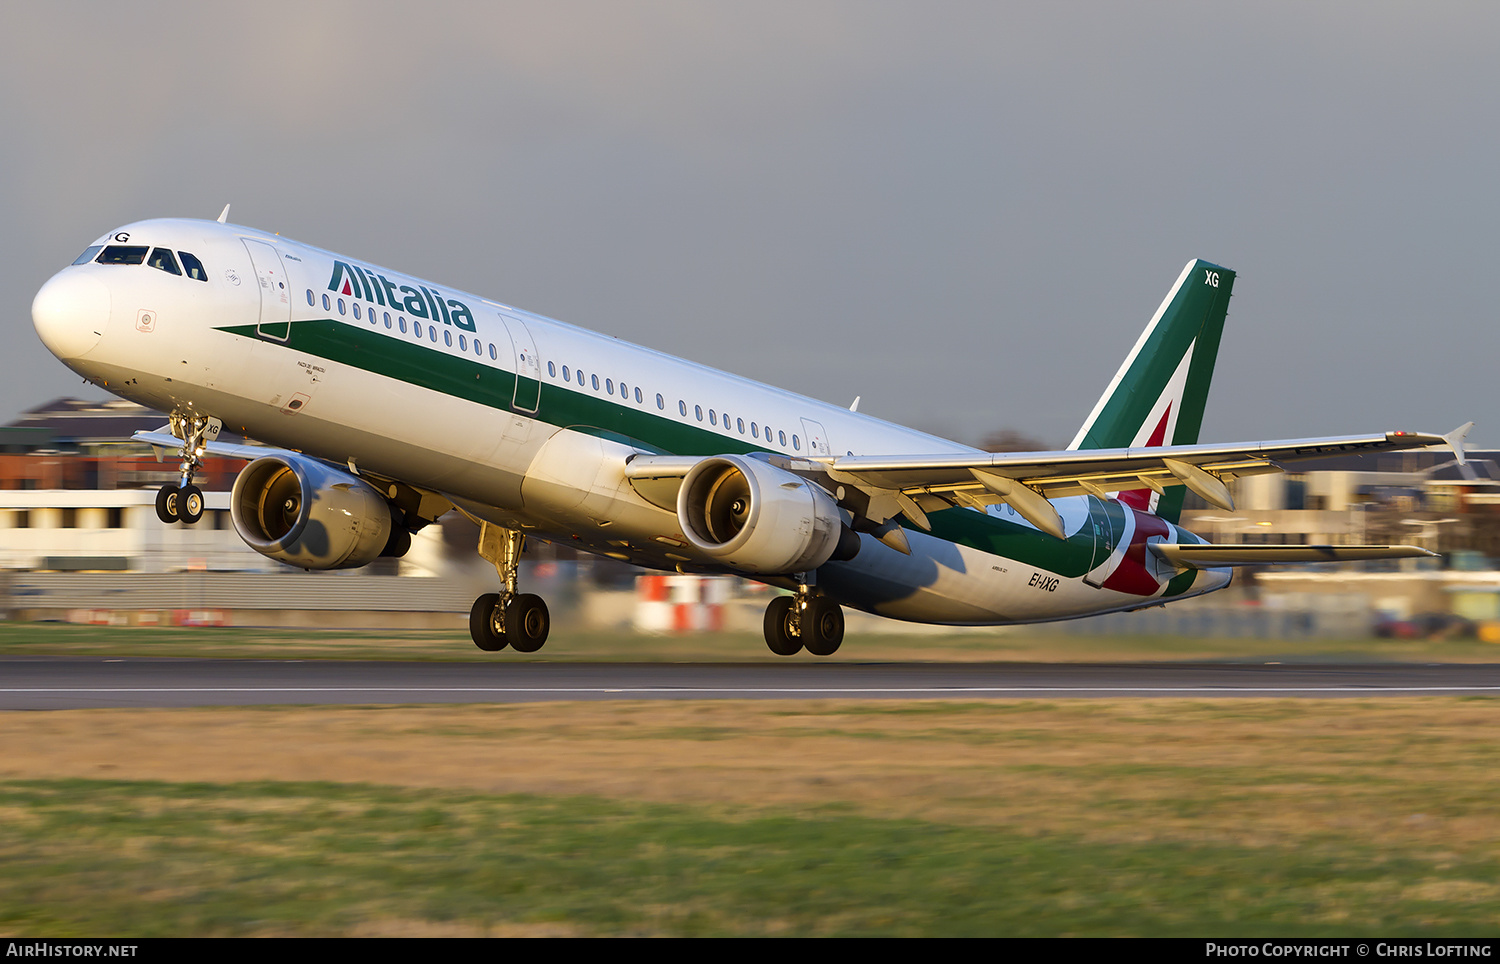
point(389, 400)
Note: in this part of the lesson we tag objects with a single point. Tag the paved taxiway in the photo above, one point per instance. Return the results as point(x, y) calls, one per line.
point(31, 683)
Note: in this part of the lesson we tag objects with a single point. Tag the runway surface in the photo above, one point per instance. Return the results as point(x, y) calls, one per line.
point(35, 683)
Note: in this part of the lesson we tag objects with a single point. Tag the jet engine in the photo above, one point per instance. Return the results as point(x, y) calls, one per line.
point(751, 515)
point(307, 514)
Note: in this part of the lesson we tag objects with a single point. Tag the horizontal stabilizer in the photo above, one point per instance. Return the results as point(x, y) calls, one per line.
point(1206, 556)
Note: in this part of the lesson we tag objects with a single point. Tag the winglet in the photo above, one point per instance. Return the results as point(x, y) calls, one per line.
point(1455, 440)
point(224, 214)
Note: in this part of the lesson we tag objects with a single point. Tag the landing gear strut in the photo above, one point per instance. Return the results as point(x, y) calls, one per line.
point(183, 502)
point(808, 620)
point(507, 618)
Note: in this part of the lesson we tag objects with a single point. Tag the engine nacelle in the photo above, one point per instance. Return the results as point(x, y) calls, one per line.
point(309, 515)
point(751, 515)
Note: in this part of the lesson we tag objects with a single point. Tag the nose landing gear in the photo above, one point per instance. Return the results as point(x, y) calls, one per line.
point(179, 503)
point(808, 620)
point(507, 618)
point(183, 502)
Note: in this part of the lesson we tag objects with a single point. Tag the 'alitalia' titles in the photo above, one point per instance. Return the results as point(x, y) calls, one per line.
point(419, 301)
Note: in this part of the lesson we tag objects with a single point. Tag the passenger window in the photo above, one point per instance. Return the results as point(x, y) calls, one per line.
point(551, 370)
point(754, 432)
point(782, 437)
point(682, 407)
point(661, 403)
point(479, 348)
point(595, 380)
point(341, 306)
point(88, 254)
point(493, 356)
point(356, 309)
point(401, 323)
point(447, 338)
point(638, 398)
point(711, 419)
point(194, 267)
point(387, 316)
point(310, 302)
point(463, 343)
point(123, 254)
point(609, 386)
point(796, 443)
point(740, 424)
point(325, 302)
point(698, 411)
point(567, 376)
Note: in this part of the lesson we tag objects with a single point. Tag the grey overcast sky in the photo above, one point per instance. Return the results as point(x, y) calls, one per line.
point(964, 213)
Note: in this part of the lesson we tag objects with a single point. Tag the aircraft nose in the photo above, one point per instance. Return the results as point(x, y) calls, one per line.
point(70, 313)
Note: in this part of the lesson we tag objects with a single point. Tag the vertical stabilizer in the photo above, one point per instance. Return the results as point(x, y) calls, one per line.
point(1159, 394)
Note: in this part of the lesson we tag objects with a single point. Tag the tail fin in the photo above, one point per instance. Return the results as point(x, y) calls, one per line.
point(1159, 394)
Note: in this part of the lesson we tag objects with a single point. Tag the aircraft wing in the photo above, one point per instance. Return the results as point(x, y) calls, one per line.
point(1072, 472)
point(913, 485)
point(1026, 480)
point(165, 443)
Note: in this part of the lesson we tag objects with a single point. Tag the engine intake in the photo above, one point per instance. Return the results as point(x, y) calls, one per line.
point(758, 518)
point(310, 515)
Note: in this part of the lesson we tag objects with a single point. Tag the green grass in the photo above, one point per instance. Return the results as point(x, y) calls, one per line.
point(1015, 644)
point(177, 859)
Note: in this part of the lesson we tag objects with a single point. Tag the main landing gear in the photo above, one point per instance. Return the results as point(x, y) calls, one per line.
point(183, 501)
point(507, 618)
point(808, 620)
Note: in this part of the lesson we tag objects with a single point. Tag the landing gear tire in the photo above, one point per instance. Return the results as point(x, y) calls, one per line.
point(482, 623)
point(189, 504)
point(778, 626)
point(527, 623)
point(166, 504)
point(179, 504)
point(822, 626)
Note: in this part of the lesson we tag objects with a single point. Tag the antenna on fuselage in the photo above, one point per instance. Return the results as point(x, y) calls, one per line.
point(855, 406)
point(224, 214)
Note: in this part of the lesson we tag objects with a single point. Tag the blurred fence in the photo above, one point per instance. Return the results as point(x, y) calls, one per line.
point(219, 590)
point(398, 602)
point(1186, 619)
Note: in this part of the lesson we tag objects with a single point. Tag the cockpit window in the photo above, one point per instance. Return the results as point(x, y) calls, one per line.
point(193, 266)
point(123, 254)
point(162, 260)
point(88, 254)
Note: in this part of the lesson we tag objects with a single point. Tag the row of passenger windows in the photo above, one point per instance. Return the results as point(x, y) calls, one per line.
point(399, 323)
point(715, 418)
point(161, 259)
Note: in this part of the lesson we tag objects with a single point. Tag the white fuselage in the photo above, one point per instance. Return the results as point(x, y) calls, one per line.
point(524, 421)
